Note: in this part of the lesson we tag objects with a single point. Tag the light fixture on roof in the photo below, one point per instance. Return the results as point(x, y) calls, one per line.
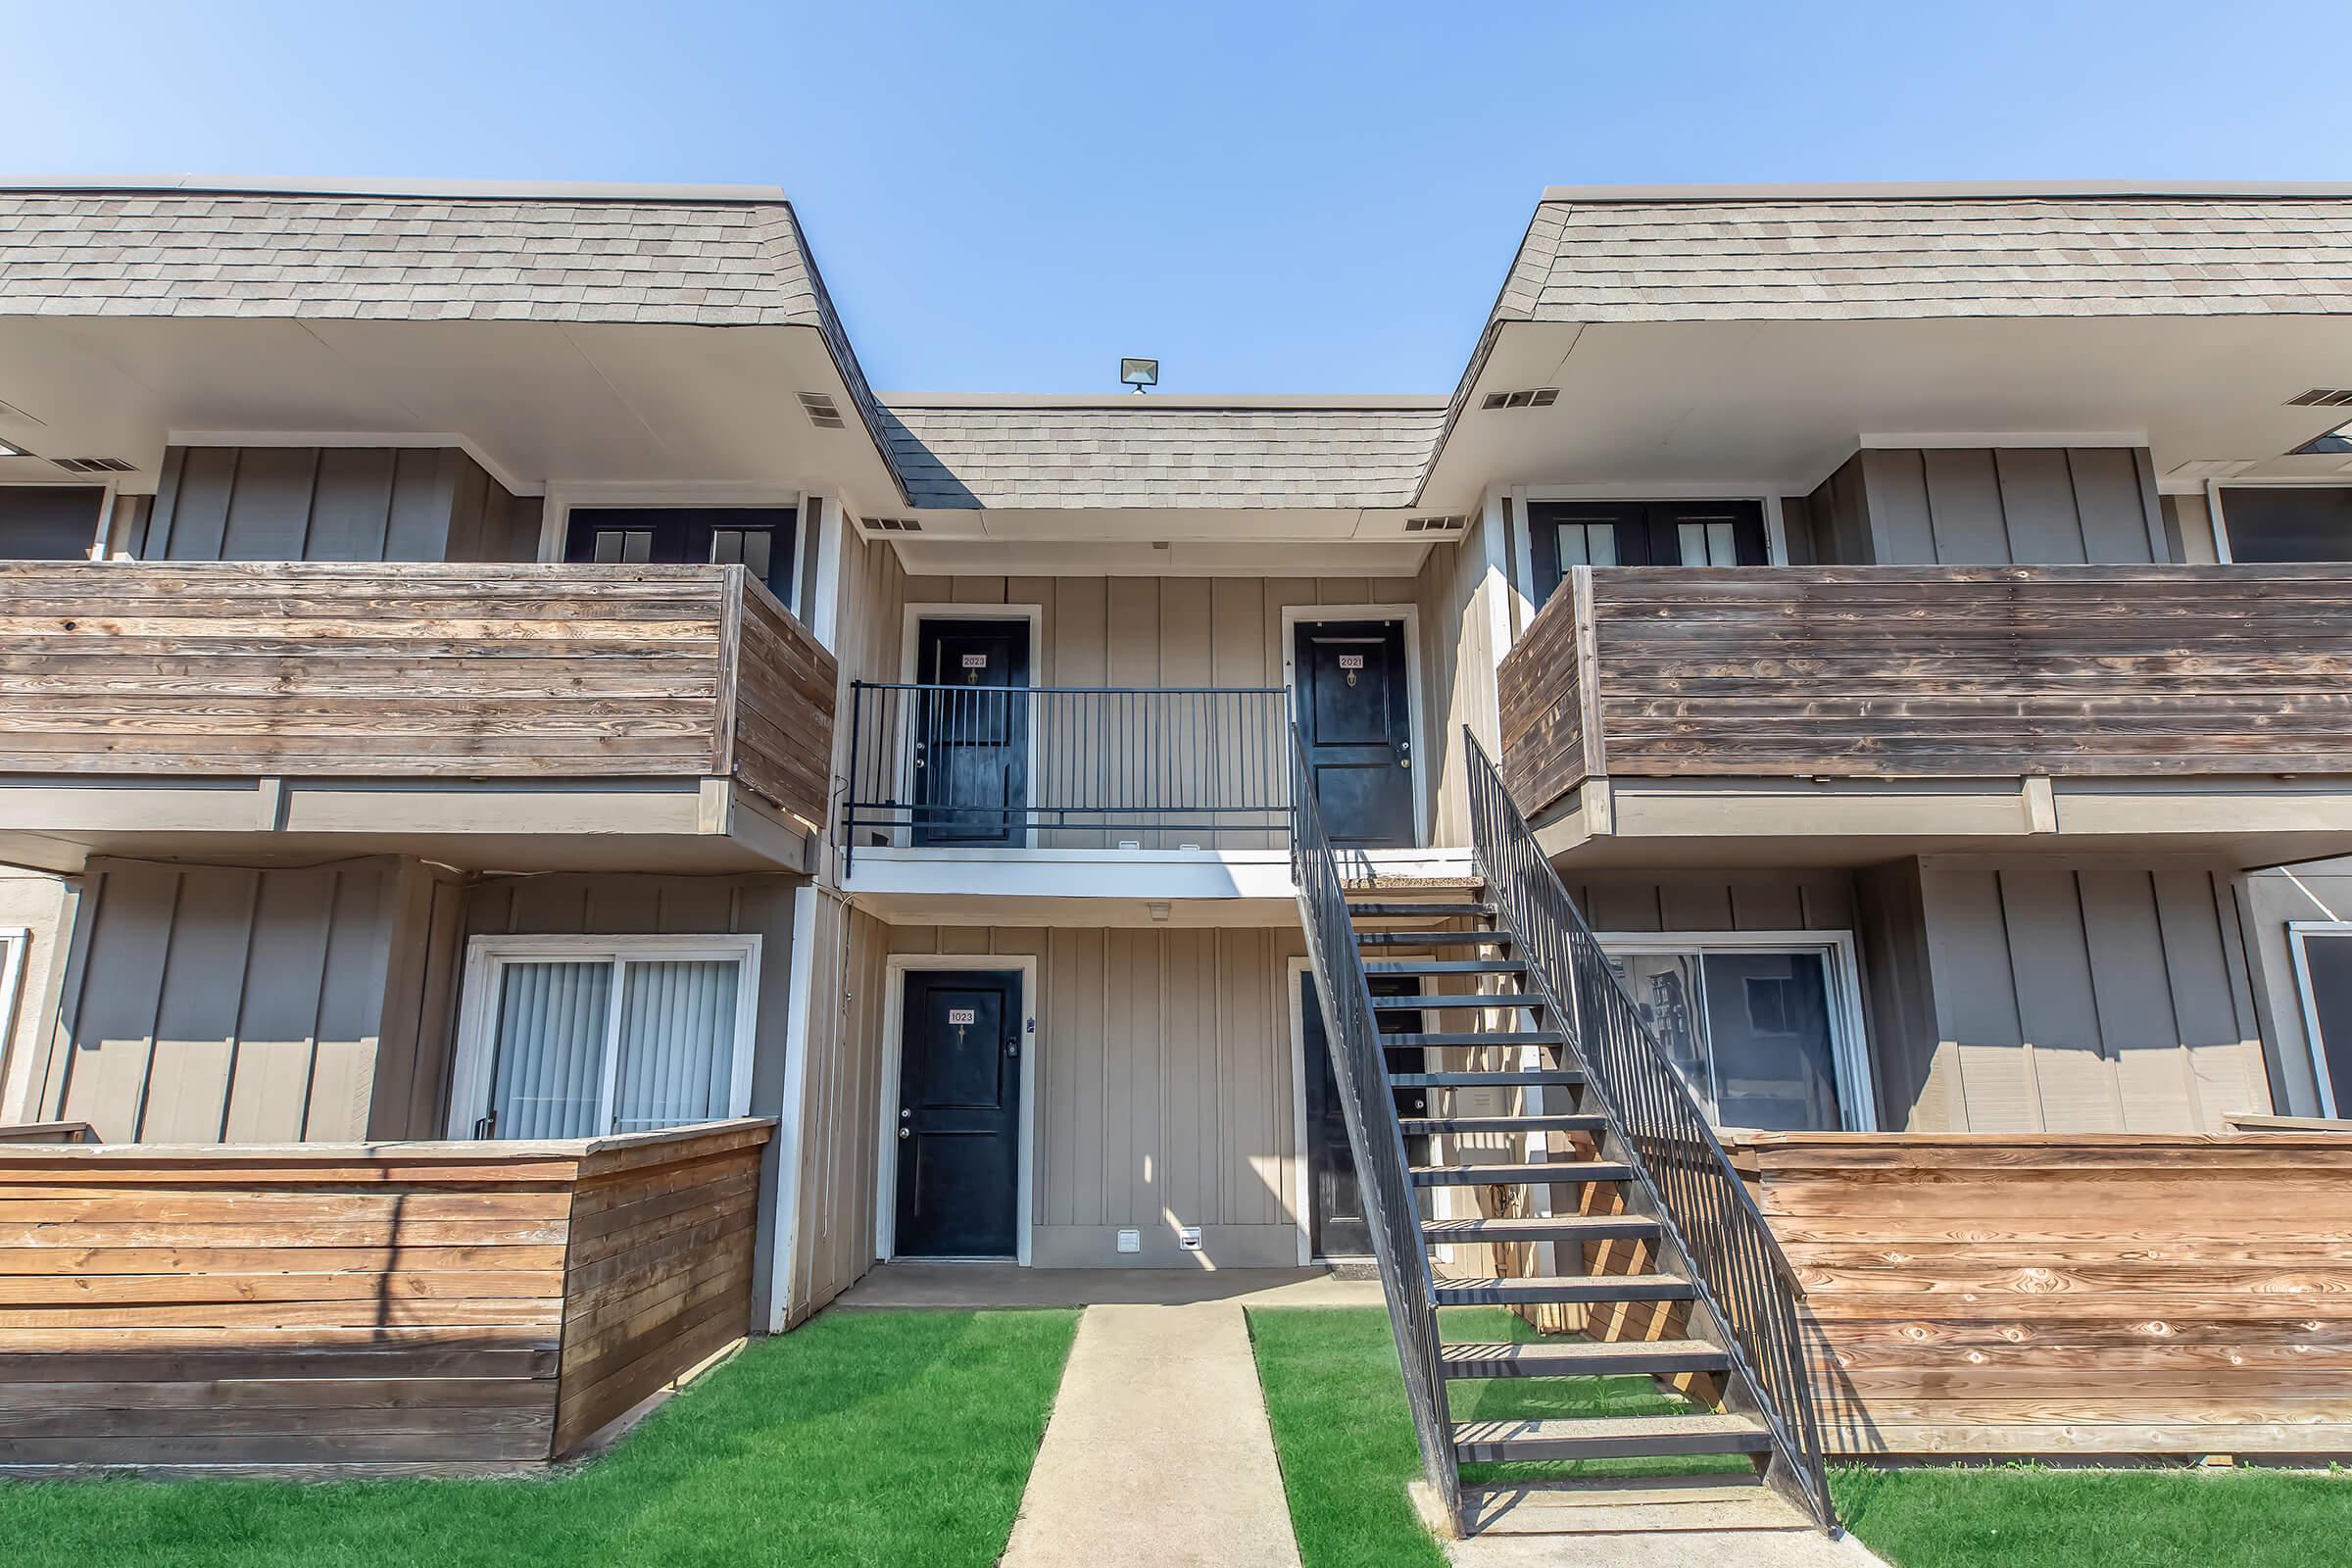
point(1139, 374)
point(9, 449)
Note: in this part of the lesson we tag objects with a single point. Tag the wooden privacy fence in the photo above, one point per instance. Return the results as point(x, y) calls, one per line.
point(1930, 672)
point(2072, 1296)
point(438, 1306)
point(415, 669)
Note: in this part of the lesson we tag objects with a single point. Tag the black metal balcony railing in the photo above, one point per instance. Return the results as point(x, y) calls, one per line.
point(933, 765)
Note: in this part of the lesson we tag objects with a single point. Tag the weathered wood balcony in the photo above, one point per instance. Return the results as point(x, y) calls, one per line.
point(1699, 702)
point(410, 676)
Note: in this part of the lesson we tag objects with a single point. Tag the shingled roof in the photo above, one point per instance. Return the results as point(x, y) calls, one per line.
point(701, 259)
point(1161, 452)
point(1857, 255)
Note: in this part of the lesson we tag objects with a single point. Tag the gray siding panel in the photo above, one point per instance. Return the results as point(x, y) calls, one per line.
point(335, 504)
point(213, 1004)
point(1987, 507)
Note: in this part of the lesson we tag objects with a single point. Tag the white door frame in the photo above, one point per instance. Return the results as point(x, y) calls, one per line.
point(2296, 931)
point(910, 649)
point(895, 969)
point(1295, 616)
point(1849, 1049)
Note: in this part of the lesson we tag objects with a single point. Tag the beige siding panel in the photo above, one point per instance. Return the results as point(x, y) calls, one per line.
point(280, 1023)
point(196, 1008)
point(43, 907)
point(2101, 999)
point(1978, 506)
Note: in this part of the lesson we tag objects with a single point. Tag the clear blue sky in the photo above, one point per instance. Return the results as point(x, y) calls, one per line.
point(1270, 196)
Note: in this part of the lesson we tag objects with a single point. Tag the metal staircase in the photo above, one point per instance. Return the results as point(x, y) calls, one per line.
point(1567, 1172)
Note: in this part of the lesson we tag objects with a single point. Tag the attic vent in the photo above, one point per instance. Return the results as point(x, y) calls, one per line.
point(1542, 397)
point(1436, 524)
point(894, 524)
point(94, 465)
point(822, 411)
point(2323, 397)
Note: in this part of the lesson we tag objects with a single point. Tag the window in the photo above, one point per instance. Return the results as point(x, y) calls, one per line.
point(1562, 535)
point(587, 1037)
point(2323, 956)
point(49, 522)
point(1764, 1028)
point(760, 539)
point(2286, 523)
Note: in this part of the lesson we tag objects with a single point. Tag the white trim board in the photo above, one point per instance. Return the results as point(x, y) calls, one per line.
point(2314, 1039)
point(798, 1004)
point(470, 1077)
point(895, 970)
point(1857, 1093)
point(1295, 616)
point(16, 1096)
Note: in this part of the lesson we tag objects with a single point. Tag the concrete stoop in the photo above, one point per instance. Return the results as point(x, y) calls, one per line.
point(1635, 1522)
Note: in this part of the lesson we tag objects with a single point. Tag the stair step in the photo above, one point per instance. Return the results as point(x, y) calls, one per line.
point(1415, 939)
point(1629, 1506)
point(1556, 1173)
point(1449, 967)
point(1421, 1001)
point(1576, 1359)
point(1507, 1078)
point(1391, 909)
point(1468, 1037)
point(1541, 1228)
point(1489, 1291)
point(1574, 1123)
point(1609, 1436)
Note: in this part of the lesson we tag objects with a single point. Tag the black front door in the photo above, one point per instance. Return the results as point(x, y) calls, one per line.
point(959, 1115)
point(1356, 717)
point(760, 538)
point(971, 736)
point(1336, 1225)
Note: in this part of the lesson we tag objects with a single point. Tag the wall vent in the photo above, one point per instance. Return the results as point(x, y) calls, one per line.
point(1542, 397)
point(822, 411)
point(94, 465)
point(894, 526)
point(1436, 524)
point(2323, 397)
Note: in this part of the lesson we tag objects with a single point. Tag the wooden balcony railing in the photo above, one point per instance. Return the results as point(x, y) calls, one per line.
point(412, 670)
point(1898, 673)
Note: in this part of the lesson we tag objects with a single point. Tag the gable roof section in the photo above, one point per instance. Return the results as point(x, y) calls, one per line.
point(1255, 454)
point(675, 254)
point(1860, 255)
point(430, 256)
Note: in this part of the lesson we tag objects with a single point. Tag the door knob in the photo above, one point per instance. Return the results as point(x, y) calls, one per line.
point(904, 1133)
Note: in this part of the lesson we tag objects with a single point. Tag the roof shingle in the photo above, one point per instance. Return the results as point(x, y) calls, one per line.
point(1154, 452)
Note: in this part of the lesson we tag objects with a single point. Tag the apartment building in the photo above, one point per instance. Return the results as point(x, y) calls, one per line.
point(487, 668)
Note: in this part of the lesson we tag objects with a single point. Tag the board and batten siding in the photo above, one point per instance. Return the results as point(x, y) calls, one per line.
point(625, 905)
point(1982, 507)
point(1164, 1089)
point(836, 1194)
point(335, 504)
point(2038, 998)
point(219, 1004)
point(1462, 601)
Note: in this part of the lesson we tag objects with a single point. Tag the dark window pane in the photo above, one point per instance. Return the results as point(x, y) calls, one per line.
point(2328, 971)
point(2288, 523)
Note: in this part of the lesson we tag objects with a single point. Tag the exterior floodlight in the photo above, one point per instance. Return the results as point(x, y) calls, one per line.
point(1138, 373)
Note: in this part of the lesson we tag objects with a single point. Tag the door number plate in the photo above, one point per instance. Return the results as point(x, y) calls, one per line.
point(975, 660)
point(1351, 661)
point(962, 1016)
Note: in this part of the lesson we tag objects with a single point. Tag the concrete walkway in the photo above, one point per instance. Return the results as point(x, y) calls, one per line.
point(983, 1286)
point(1158, 1455)
point(1665, 1548)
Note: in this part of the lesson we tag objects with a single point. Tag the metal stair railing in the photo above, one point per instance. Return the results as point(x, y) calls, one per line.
point(1737, 1267)
point(1358, 1064)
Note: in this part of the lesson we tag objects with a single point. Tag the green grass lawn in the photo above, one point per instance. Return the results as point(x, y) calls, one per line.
point(865, 1438)
point(1345, 1439)
point(2024, 1517)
